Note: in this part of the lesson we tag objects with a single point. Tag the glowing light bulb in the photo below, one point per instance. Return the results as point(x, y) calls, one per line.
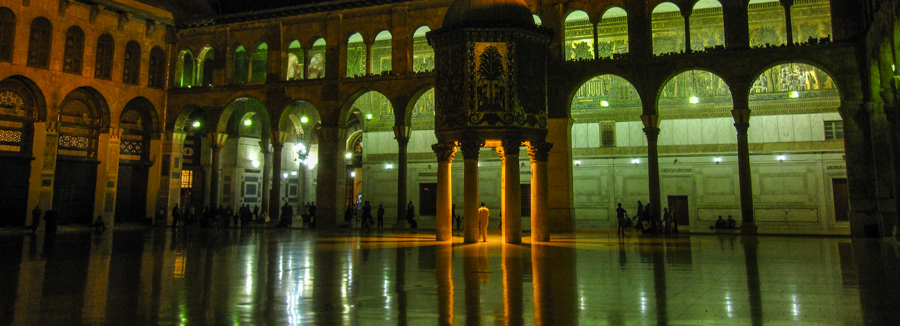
point(353, 174)
point(248, 122)
point(388, 166)
point(369, 116)
point(255, 164)
point(636, 161)
point(304, 119)
point(604, 103)
point(795, 94)
point(717, 160)
point(348, 155)
point(196, 124)
point(782, 157)
point(694, 100)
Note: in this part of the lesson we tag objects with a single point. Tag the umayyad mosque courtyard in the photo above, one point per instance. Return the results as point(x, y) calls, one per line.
point(192, 276)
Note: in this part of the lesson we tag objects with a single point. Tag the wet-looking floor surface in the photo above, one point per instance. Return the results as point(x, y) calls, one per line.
point(289, 277)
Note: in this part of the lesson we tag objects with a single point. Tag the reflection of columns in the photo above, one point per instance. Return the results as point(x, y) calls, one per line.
point(742, 123)
point(751, 264)
point(554, 280)
point(401, 133)
point(512, 282)
point(266, 174)
point(651, 129)
point(216, 142)
point(96, 284)
point(540, 222)
point(512, 217)
point(470, 148)
point(502, 155)
point(443, 221)
point(275, 199)
point(473, 285)
point(444, 279)
point(27, 308)
point(659, 287)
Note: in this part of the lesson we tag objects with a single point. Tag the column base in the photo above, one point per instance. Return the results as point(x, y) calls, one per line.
point(748, 228)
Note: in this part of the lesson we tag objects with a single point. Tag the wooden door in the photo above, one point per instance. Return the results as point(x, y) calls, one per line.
point(73, 191)
point(678, 205)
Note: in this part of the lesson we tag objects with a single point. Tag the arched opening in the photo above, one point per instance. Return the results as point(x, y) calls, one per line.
point(7, 33)
point(299, 161)
point(605, 109)
point(136, 123)
point(103, 63)
point(156, 70)
point(612, 33)
point(83, 115)
point(184, 69)
point(21, 104)
point(205, 73)
point(579, 34)
point(667, 26)
point(246, 161)
point(767, 23)
point(707, 25)
point(258, 64)
point(240, 72)
point(382, 53)
point(132, 67)
point(195, 162)
point(317, 55)
point(39, 43)
point(537, 19)
point(356, 56)
point(423, 53)
point(369, 129)
point(295, 61)
point(73, 53)
point(811, 21)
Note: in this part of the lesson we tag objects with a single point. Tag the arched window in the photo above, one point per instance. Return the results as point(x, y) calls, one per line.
point(7, 33)
point(39, 43)
point(132, 71)
point(810, 20)
point(766, 23)
point(382, 53)
point(317, 55)
point(258, 65)
point(356, 56)
point(423, 54)
point(707, 25)
point(184, 70)
point(104, 60)
point(240, 74)
point(295, 61)
point(156, 72)
point(74, 50)
point(537, 19)
point(205, 74)
point(612, 33)
point(579, 36)
point(668, 29)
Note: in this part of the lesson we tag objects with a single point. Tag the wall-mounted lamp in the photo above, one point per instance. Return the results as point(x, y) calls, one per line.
point(604, 103)
point(717, 160)
point(694, 100)
point(781, 158)
point(255, 164)
point(369, 117)
point(248, 122)
point(284, 175)
point(636, 161)
point(353, 174)
point(348, 155)
point(388, 166)
point(577, 163)
point(304, 119)
point(196, 124)
point(795, 94)
point(293, 172)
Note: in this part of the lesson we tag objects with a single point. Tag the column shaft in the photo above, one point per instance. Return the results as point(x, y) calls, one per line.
point(214, 177)
point(402, 144)
point(443, 220)
point(512, 217)
point(742, 123)
point(502, 155)
point(540, 222)
point(653, 171)
point(331, 175)
point(267, 176)
point(275, 197)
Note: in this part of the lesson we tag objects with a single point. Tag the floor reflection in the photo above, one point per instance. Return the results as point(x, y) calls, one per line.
point(297, 277)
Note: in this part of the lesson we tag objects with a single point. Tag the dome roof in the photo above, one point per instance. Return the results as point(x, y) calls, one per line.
point(488, 12)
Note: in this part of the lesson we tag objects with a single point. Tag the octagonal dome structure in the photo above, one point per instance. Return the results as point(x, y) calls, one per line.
point(481, 13)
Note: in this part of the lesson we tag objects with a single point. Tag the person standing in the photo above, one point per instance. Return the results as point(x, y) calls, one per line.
point(255, 212)
point(35, 218)
point(411, 215)
point(176, 215)
point(312, 214)
point(484, 215)
point(380, 216)
point(667, 221)
point(620, 216)
point(367, 216)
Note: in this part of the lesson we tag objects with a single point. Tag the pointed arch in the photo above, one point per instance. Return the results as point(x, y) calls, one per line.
point(184, 69)
point(245, 117)
point(205, 66)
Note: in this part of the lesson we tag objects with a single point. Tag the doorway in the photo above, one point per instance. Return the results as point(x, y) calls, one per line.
point(840, 195)
point(428, 199)
point(73, 191)
point(678, 206)
point(14, 190)
point(131, 193)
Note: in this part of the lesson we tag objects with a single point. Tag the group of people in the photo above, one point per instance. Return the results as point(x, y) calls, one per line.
point(722, 224)
point(645, 221)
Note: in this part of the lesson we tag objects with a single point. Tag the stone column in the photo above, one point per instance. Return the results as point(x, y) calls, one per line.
point(512, 216)
point(266, 174)
point(216, 142)
point(470, 150)
point(331, 178)
point(502, 156)
point(275, 197)
point(368, 58)
point(686, 13)
point(861, 176)
point(443, 221)
point(43, 167)
point(742, 123)
point(109, 170)
point(402, 136)
point(540, 222)
point(787, 20)
point(651, 129)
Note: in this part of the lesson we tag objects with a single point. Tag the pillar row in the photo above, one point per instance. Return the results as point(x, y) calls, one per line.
point(540, 222)
point(443, 221)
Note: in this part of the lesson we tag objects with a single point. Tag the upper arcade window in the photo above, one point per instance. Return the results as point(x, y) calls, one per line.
point(356, 56)
point(667, 26)
point(382, 53)
point(132, 71)
point(104, 59)
point(241, 73)
point(156, 73)
point(39, 43)
point(74, 50)
point(205, 75)
point(707, 25)
point(612, 33)
point(423, 53)
point(7, 34)
point(295, 61)
point(184, 69)
point(811, 21)
point(767, 23)
point(258, 64)
point(537, 19)
point(579, 36)
point(317, 55)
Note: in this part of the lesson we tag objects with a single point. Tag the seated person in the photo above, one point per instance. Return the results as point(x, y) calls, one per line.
point(732, 224)
point(720, 224)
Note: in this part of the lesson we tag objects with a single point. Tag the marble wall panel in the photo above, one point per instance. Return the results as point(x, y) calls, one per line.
point(420, 141)
point(636, 133)
point(786, 214)
point(786, 128)
point(579, 135)
point(679, 132)
point(623, 135)
point(802, 130)
point(593, 135)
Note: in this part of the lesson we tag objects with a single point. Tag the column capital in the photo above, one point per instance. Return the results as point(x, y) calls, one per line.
point(511, 145)
point(445, 151)
point(650, 121)
point(115, 133)
point(279, 137)
point(539, 151)
point(217, 139)
point(470, 148)
point(501, 153)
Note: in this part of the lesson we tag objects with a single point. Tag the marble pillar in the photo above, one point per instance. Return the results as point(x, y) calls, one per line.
point(540, 222)
point(266, 183)
point(502, 156)
point(331, 178)
point(742, 123)
point(275, 197)
point(216, 142)
point(443, 221)
point(512, 215)
point(651, 129)
point(470, 149)
point(402, 166)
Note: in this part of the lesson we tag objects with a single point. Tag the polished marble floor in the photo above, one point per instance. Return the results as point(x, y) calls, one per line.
point(289, 277)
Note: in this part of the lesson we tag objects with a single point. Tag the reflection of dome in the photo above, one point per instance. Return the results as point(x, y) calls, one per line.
point(488, 12)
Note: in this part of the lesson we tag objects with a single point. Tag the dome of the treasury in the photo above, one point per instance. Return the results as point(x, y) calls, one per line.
point(488, 13)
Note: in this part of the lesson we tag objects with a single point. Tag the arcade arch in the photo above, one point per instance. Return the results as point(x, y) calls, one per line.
point(205, 71)
point(243, 134)
point(381, 59)
point(136, 123)
point(297, 126)
point(667, 26)
point(317, 55)
point(423, 53)
point(295, 60)
point(21, 105)
point(356, 56)
point(258, 64)
point(612, 33)
point(579, 36)
point(707, 25)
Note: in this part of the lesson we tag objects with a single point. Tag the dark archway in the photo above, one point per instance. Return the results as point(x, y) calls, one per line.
point(21, 104)
point(134, 161)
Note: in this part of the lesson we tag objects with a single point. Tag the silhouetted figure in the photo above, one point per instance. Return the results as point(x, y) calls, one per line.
point(50, 225)
point(348, 214)
point(411, 215)
point(176, 215)
point(367, 216)
point(35, 218)
point(484, 215)
point(380, 216)
point(667, 221)
point(287, 214)
point(620, 217)
point(312, 214)
point(720, 224)
point(256, 212)
point(98, 224)
point(732, 224)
